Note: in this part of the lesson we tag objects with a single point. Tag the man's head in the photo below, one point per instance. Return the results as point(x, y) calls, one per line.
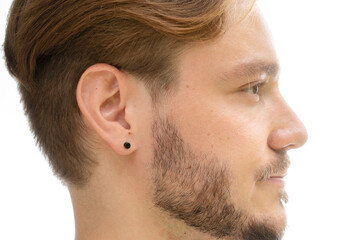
point(193, 86)
point(49, 45)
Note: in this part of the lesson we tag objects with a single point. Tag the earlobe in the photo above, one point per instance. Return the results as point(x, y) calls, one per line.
point(127, 145)
point(103, 98)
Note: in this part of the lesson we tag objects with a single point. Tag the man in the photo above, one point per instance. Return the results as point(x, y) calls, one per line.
point(163, 118)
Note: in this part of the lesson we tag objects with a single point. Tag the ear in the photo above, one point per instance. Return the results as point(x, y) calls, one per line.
point(103, 98)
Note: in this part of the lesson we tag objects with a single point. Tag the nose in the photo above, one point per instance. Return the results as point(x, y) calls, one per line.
point(288, 132)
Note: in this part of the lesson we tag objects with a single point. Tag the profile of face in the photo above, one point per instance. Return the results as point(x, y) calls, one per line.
point(207, 159)
point(204, 160)
point(219, 144)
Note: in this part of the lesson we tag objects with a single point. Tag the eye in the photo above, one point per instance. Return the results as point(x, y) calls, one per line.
point(253, 88)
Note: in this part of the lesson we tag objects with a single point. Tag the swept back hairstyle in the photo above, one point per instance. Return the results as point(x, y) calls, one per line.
point(49, 44)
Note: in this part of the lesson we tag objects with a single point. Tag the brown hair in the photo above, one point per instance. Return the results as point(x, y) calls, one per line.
point(49, 44)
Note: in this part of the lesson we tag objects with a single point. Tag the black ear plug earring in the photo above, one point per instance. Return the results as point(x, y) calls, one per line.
point(127, 145)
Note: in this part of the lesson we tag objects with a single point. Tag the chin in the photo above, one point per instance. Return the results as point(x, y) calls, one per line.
point(278, 217)
point(270, 224)
point(281, 223)
point(264, 228)
point(277, 221)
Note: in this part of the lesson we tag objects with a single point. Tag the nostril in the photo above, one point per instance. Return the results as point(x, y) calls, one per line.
point(290, 145)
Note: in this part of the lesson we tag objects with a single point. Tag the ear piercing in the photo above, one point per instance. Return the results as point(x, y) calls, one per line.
point(127, 145)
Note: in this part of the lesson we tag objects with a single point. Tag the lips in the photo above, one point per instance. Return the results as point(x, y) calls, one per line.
point(277, 179)
point(280, 177)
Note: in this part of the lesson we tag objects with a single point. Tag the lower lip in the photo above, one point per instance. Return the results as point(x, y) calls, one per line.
point(276, 180)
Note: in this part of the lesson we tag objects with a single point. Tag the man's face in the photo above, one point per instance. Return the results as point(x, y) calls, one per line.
point(220, 142)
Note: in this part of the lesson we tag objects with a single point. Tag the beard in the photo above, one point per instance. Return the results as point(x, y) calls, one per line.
point(195, 188)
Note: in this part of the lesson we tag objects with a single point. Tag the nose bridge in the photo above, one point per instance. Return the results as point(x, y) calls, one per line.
point(287, 129)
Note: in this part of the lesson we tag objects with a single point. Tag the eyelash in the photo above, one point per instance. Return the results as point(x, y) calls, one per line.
point(254, 86)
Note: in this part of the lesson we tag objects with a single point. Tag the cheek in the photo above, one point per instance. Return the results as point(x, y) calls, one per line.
point(245, 152)
point(238, 140)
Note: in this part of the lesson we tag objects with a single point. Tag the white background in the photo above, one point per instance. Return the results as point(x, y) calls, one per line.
point(318, 45)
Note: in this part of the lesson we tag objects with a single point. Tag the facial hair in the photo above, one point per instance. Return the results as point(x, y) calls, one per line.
point(195, 188)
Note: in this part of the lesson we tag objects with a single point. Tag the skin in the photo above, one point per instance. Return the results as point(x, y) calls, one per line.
point(231, 137)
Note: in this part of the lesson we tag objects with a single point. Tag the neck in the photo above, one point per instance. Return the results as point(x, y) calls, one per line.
point(114, 211)
point(117, 205)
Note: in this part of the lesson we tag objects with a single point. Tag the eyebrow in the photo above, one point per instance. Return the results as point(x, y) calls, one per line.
point(252, 68)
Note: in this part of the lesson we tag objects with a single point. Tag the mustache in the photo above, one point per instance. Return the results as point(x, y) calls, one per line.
point(278, 165)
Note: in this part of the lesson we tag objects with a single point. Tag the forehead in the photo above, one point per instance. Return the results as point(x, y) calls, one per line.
point(242, 42)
